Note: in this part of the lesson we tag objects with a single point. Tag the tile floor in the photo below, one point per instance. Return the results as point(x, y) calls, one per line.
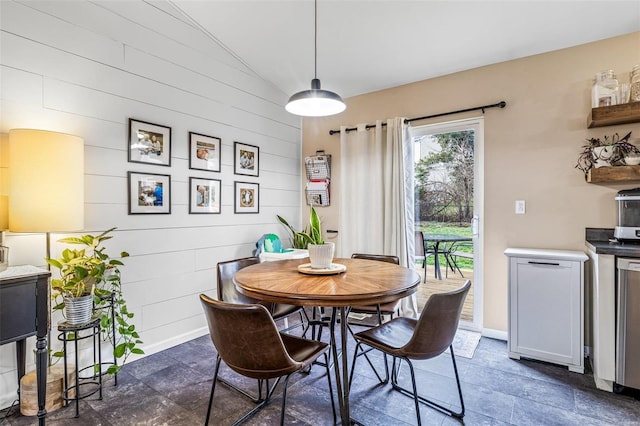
point(172, 388)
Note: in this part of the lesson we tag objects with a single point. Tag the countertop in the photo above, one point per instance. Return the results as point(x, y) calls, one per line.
point(601, 241)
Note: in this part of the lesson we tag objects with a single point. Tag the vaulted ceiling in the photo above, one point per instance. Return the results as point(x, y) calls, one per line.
point(365, 46)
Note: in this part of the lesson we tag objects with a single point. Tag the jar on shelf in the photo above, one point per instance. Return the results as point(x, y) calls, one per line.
point(634, 90)
point(605, 89)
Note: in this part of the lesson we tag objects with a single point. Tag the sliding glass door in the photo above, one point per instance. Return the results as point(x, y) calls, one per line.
point(448, 205)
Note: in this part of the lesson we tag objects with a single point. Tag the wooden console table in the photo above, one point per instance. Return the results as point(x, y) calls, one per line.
point(24, 312)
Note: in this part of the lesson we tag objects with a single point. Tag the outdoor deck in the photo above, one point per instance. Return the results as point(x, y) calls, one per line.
point(434, 285)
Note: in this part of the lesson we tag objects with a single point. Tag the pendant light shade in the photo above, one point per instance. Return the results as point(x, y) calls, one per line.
point(315, 102)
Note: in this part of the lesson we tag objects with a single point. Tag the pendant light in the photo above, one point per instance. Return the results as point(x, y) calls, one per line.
point(315, 102)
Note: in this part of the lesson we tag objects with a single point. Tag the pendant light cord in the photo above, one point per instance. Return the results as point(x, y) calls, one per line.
point(315, 38)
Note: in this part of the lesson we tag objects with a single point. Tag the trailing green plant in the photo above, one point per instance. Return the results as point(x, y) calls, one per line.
point(92, 271)
point(615, 149)
point(312, 234)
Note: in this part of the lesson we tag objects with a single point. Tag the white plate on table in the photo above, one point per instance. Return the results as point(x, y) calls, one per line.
point(335, 268)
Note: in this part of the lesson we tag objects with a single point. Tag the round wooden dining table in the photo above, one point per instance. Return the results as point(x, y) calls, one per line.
point(365, 282)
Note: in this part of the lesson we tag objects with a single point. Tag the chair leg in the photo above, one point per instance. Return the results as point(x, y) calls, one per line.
point(417, 397)
point(213, 388)
point(333, 404)
point(455, 264)
point(424, 266)
point(284, 399)
point(364, 352)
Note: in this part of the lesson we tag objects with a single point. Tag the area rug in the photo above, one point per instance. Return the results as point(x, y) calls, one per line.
point(465, 343)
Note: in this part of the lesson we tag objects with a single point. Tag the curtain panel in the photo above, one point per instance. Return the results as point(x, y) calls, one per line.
point(376, 201)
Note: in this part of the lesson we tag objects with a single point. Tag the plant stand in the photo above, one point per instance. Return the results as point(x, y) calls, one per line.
point(110, 307)
point(83, 386)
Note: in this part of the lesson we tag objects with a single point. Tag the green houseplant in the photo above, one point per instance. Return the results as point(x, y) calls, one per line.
point(320, 252)
point(296, 237)
point(312, 234)
point(90, 271)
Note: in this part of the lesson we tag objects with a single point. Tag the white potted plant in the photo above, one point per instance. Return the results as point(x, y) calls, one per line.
point(320, 252)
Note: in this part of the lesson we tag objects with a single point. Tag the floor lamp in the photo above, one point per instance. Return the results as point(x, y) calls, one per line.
point(46, 194)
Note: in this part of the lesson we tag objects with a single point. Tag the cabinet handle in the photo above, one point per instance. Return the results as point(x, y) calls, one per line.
point(544, 263)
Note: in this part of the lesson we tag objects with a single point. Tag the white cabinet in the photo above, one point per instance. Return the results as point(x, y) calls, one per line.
point(546, 306)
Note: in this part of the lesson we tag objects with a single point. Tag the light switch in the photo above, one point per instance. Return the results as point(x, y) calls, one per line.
point(520, 207)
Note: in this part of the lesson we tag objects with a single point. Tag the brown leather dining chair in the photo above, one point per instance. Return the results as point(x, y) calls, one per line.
point(247, 339)
point(227, 292)
point(389, 308)
point(407, 339)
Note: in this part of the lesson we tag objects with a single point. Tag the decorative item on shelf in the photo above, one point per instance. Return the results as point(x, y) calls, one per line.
point(605, 89)
point(634, 86)
point(607, 152)
point(632, 159)
point(91, 271)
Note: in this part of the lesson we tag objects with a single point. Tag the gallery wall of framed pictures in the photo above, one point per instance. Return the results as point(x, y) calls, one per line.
point(150, 192)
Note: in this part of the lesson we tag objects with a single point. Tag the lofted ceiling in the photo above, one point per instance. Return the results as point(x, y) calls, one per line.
point(365, 46)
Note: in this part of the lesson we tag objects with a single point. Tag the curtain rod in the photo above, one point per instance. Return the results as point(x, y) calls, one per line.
point(500, 104)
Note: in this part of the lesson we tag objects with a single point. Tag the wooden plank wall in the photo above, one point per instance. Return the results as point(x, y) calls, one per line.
point(85, 68)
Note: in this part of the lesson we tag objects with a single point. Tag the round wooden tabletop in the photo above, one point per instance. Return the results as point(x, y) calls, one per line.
point(365, 282)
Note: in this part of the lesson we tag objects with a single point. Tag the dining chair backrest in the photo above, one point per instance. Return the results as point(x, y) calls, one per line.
point(226, 288)
point(247, 339)
point(437, 325)
point(378, 257)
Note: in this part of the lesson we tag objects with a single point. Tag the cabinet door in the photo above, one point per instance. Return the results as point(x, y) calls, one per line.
point(17, 310)
point(546, 310)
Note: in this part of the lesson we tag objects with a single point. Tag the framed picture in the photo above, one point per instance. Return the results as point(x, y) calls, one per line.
point(149, 143)
point(149, 193)
point(246, 197)
point(204, 195)
point(245, 159)
point(204, 152)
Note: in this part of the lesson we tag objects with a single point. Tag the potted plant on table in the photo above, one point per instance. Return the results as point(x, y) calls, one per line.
point(297, 239)
point(320, 252)
point(91, 274)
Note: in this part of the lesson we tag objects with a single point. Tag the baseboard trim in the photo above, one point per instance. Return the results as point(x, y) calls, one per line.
point(169, 343)
point(495, 334)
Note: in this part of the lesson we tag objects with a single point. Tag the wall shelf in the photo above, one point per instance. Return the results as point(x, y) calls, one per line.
point(616, 114)
point(614, 174)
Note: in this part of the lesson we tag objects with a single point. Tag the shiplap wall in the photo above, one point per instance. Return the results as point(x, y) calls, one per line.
point(85, 68)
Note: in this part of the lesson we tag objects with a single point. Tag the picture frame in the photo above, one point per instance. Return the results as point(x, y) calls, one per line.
point(204, 152)
point(149, 193)
point(204, 195)
point(246, 197)
point(149, 143)
point(246, 159)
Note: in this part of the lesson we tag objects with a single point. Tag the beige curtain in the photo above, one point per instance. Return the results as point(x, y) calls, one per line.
point(376, 201)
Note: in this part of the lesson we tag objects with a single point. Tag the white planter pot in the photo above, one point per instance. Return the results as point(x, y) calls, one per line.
point(78, 310)
point(603, 155)
point(321, 255)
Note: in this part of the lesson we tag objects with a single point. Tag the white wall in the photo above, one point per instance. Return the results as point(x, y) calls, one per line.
point(85, 68)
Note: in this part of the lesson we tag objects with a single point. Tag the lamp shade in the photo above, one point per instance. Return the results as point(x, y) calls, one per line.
point(46, 181)
point(315, 102)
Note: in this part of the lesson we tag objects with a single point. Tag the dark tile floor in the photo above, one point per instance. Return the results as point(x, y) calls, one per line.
point(172, 388)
